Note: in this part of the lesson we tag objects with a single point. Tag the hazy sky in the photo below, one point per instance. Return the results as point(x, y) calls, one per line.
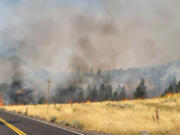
point(65, 34)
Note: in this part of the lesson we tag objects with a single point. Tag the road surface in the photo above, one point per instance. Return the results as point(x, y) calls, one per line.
point(11, 124)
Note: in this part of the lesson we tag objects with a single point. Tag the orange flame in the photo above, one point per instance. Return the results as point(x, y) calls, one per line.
point(70, 102)
point(169, 94)
point(1, 101)
point(76, 103)
point(125, 99)
point(88, 102)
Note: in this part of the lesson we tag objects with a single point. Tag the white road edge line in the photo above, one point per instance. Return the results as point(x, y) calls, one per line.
point(45, 123)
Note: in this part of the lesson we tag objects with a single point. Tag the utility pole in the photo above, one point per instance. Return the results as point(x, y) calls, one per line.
point(47, 98)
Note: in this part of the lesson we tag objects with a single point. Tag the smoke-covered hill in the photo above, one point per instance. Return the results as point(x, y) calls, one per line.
point(157, 78)
point(32, 87)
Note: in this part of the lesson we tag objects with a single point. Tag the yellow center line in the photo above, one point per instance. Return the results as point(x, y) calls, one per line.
point(19, 132)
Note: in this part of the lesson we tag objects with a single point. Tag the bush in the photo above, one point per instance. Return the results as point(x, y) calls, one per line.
point(77, 124)
point(36, 117)
point(19, 112)
point(53, 119)
point(64, 123)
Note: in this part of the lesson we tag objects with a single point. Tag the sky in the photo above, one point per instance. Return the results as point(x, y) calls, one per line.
point(61, 35)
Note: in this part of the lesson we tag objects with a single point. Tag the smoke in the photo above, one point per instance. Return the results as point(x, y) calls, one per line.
point(64, 37)
point(43, 37)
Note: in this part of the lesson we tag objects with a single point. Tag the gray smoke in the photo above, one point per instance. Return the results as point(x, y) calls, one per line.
point(44, 37)
point(64, 37)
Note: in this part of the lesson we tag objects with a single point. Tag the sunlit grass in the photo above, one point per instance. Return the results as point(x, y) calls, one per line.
point(125, 117)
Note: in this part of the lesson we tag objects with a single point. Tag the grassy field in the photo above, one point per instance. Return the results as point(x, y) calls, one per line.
point(121, 118)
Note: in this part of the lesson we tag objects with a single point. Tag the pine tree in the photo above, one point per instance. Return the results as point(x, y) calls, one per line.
point(140, 90)
point(105, 92)
point(101, 92)
point(173, 84)
point(115, 96)
point(123, 93)
point(173, 87)
point(177, 90)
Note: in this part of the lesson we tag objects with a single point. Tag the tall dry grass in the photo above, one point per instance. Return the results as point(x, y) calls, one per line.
point(125, 117)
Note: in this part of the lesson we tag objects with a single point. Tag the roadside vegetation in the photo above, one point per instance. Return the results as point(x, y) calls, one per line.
point(128, 117)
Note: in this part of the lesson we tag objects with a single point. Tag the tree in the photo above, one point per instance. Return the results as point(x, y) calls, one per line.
point(99, 72)
point(92, 94)
point(173, 87)
point(168, 90)
point(177, 87)
point(79, 95)
point(108, 92)
point(173, 84)
point(140, 90)
point(105, 92)
point(122, 94)
point(115, 96)
point(118, 89)
point(101, 93)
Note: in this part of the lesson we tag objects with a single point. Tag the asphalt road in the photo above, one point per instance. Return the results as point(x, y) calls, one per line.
point(28, 126)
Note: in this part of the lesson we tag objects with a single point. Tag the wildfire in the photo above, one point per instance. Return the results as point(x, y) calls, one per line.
point(1, 101)
point(70, 102)
point(88, 102)
point(20, 104)
point(169, 94)
point(125, 99)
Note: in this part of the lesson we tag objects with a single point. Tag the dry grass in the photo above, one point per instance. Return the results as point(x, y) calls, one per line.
point(126, 117)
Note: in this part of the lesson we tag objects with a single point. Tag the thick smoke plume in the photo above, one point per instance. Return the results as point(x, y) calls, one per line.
point(43, 38)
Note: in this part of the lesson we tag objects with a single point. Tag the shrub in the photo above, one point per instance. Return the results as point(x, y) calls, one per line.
point(37, 117)
point(64, 123)
point(53, 119)
point(77, 124)
point(19, 112)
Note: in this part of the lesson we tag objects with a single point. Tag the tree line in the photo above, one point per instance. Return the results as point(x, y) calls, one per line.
point(102, 93)
point(173, 88)
point(105, 92)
